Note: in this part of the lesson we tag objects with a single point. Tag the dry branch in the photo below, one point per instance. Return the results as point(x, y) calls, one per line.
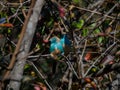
point(24, 45)
point(19, 42)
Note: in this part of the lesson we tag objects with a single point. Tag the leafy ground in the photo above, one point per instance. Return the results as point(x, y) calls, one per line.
point(75, 45)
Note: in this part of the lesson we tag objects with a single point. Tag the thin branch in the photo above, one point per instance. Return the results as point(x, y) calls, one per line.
point(71, 66)
point(95, 12)
point(13, 59)
point(40, 74)
point(70, 80)
point(17, 72)
point(100, 22)
point(99, 58)
point(80, 63)
point(21, 4)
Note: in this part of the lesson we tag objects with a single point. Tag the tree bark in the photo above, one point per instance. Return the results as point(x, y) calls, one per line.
point(17, 72)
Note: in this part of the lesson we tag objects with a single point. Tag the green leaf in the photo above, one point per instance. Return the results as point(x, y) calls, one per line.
point(13, 10)
point(9, 31)
point(84, 32)
point(50, 23)
point(26, 66)
point(99, 39)
point(78, 24)
point(43, 30)
point(76, 1)
point(38, 46)
point(93, 25)
point(97, 31)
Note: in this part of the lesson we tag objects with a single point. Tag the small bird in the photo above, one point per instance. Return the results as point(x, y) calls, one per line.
point(56, 47)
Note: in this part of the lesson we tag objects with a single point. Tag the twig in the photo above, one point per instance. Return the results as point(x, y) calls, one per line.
point(40, 74)
point(70, 80)
point(96, 3)
point(19, 42)
point(61, 29)
point(64, 78)
point(100, 22)
point(90, 45)
point(11, 42)
point(12, 4)
point(17, 72)
point(48, 37)
point(37, 56)
point(24, 14)
point(80, 63)
point(20, 19)
point(18, 9)
point(71, 66)
point(99, 58)
point(105, 70)
point(95, 12)
point(64, 25)
point(27, 56)
point(113, 37)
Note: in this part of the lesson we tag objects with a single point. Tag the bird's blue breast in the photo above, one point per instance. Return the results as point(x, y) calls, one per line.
point(56, 45)
point(59, 44)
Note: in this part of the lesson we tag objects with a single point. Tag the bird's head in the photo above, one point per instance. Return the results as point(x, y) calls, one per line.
point(54, 39)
